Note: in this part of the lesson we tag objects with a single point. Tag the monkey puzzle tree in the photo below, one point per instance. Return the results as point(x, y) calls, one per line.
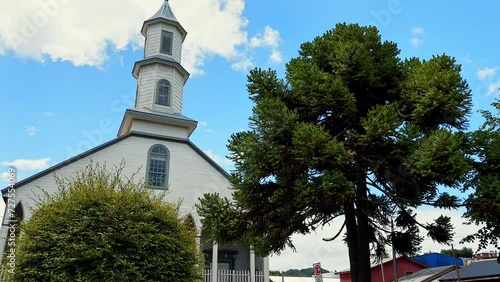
point(352, 131)
point(483, 206)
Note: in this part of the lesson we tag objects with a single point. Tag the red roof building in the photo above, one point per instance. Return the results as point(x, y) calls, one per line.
point(404, 266)
point(486, 255)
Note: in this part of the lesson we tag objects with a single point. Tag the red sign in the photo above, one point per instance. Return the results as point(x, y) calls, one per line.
point(317, 269)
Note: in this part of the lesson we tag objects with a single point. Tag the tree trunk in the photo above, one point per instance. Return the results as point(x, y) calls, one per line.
point(363, 231)
point(352, 239)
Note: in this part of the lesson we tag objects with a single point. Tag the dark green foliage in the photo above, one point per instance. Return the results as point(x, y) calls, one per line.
point(459, 253)
point(102, 228)
point(483, 206)
point(351, 131)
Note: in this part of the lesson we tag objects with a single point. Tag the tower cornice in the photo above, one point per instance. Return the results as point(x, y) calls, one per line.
point(163, 60)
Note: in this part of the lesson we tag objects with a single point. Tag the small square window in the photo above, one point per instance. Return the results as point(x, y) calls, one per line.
point(167, 39)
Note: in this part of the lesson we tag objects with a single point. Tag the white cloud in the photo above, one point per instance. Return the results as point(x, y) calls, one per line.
point(417, 30)
point(215, 27)
point(466, 59)
point(275, 57)
point(4, 176)
point(243, 65)
point(461, 230)
point(415, 42)
point(48, 114)
point(31, 131)
point(271, 38)
point(204, 126)
point(25, 164)
point(222, 161)
point(75, 31)
point(486, 72)
point(311, 248)
point(493, 87)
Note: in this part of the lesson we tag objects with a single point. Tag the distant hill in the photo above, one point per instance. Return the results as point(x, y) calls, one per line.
point(305, 272)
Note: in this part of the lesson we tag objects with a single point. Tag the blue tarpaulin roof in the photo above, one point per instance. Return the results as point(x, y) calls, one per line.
point(435, 260)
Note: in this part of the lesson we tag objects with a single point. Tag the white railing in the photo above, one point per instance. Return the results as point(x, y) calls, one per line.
point(223, 275)
point(232, 276)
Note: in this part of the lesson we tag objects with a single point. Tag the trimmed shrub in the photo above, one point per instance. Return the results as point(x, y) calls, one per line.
point(100, 227)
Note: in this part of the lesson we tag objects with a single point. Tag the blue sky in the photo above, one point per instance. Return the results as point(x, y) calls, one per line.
point(65, 69)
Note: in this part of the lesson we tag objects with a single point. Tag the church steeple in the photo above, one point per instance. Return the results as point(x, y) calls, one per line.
point(160, 75)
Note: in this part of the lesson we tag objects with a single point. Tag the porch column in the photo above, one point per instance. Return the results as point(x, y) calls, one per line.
point(198, 243)
point(266, 269)
point(252, 265)
point(215, 259)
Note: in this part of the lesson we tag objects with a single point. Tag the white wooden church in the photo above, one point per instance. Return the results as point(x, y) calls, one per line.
point(154, 139)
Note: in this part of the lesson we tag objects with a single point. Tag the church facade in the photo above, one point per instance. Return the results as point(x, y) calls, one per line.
point(154, 139)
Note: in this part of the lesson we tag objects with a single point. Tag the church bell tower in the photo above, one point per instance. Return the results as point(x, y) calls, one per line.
point(160, 79)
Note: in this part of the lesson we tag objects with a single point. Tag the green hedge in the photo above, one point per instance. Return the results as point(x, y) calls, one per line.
point(99, 227)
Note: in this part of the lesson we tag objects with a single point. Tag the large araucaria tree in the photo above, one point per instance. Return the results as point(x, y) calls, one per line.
point(353, 131)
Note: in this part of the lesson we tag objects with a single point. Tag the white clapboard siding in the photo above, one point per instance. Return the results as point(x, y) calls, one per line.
point(153, 41)
point(146, 86)
point(189, 177)
point(159, 129)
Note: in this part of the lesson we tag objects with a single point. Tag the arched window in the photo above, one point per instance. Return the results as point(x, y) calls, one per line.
point(163, 93)
point(158, 160)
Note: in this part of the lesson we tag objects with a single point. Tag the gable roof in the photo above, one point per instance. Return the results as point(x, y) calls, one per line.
point(479, 269)
point(112, 142)
point(384, 261)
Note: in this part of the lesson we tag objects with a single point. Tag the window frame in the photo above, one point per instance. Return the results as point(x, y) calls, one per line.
point(166, 158)
point(167, 49)
point(159, 87)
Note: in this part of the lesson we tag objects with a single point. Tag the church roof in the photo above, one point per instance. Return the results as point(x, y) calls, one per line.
point(165, 12)
point(110, 143)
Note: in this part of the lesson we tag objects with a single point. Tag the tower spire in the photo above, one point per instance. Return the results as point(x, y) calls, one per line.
point(164, 13)
point(160, 79)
